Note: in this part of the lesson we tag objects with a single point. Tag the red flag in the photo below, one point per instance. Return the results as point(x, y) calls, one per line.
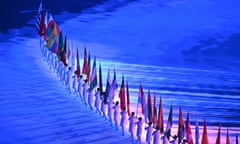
point(160, 117)
point(149, 106)
point(218, 140)
point(180, 126)
point(227, 138)
point(78, 65)
point(122, 95)
point(205, 135)
point(85, 62)
point(43, 27)
point(154, 111)
point(128, 100)
point(188, 131)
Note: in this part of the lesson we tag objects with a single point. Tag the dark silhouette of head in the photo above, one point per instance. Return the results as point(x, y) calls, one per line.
point(133, 113)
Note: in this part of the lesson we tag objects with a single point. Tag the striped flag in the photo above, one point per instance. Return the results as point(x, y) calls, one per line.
point(227, 138)
point(85, 62)
point(154, 111)
point(205, 135)
point(73, 55)
point(188, 131)
point(197, 132)
point(128, 101)
point(149, 106)
point(218, 140)
point(93, 79)
point(39, 16)
point(160, 117)
point(122, 95)
point(180, 126)
point(169, 123)
point(78, 65)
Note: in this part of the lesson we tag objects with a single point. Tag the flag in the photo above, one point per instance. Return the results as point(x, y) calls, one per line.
point(63, 53)
point(60, 45)
point(205, 135)
point(113, 86)
point(236, 138)
point(122, 95)
point(196, 132)
point(85, 62)
point(142, 101)
point(54, 48)
point(154, 111)
point(169, 123)
point(227, 138)
point(180, 126)
point(160, 117)
point(100, 79)
point(128, 101)
point(69, 53)
point(93, 79)
point(78, 65)
point(108, 84)
point(218, 140)
point(73, 56)
point(149, 106)
point(188, 131)
point(89, 67)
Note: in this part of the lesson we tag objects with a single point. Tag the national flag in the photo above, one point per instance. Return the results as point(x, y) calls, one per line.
point(169, 123)
point(122, 95)
point(205, 135)
point(100, 79)
point(85, 62)
point(218, 140)
point(39, 16)
point(154, 111)
point(180, 126)
point(69, 53)
point(113, 86)
point(188, 131)
point(93, 79)
point(128, 101)
point(63, 54)
point(78, 65)
point(89, 67)
point(227, 138)
point(54, 47)
point(149, 106)
point(142, 101)
point(43, 27)
point(60, 45)
point(51, 23)
point(160, 117)
point(197, 132)
point(108, 84)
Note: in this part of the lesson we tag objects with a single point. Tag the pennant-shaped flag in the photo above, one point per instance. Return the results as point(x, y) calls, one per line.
point(89, 67)
point(154, 111)
point(218, 140)
point(113, 86)
point(85, 62)
point(78, 65)
point(100, 79)
point(188, 131)
point(93, 79)
point(122, 95)
point(149, 106)
point(205, 135)
point(197, 132)
point(128, 101)
point(169, 123)
point(160, 117)
point(180, 126)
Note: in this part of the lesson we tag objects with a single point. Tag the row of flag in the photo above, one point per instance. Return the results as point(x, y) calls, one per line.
point(49, 30)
